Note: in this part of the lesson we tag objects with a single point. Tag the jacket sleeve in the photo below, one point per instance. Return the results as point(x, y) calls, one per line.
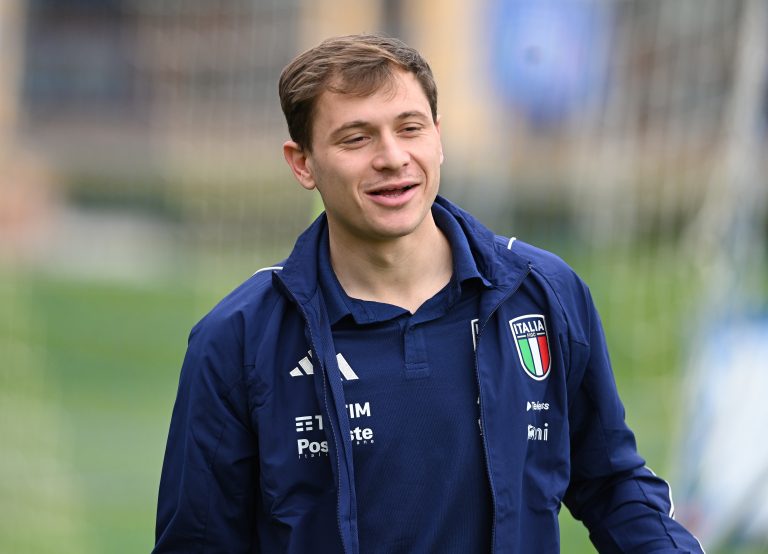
point(209, 480)
point(625, 506)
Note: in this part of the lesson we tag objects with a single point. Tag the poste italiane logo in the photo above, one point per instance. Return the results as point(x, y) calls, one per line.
point(530, 332)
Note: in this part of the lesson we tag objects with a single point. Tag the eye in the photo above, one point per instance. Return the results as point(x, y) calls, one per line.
point(412, 128)
point(353, 140)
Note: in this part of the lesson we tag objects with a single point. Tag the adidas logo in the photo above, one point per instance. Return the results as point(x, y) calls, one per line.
point(305, 367)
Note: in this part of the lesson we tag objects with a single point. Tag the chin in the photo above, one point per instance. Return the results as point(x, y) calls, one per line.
point(388, 232)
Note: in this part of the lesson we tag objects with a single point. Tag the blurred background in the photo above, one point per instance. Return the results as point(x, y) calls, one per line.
point(141, 179)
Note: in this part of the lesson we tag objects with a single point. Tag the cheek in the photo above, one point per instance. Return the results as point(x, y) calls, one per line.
point(335, 187)
point(337, 171)
point(432, 163)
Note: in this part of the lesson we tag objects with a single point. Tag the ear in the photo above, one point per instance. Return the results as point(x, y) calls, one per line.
point(298, 160)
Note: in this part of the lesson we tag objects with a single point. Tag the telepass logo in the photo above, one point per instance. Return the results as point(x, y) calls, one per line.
point(532, 342)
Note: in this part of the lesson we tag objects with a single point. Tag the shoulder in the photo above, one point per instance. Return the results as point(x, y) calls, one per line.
point(544, 263)
point(224, 343)
point(560, 282)
point(227, 323)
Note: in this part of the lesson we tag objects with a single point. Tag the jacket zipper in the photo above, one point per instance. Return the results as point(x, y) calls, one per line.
point(312, 343)
point(335, 440)
point(480, 396)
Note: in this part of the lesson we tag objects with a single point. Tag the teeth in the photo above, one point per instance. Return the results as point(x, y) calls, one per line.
point(390, 192)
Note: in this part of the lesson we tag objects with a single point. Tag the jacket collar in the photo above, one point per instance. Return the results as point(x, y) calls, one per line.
point(498, 266)
point(497, 263)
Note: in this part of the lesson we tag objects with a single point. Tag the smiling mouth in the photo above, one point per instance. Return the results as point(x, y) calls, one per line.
point(392, 192)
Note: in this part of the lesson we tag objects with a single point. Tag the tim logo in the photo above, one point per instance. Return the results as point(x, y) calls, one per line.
point(530, 333)
point(308, 423)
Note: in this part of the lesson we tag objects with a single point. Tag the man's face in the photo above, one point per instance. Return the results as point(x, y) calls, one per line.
point(375, 160)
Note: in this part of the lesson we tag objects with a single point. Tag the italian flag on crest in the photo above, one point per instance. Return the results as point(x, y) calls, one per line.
point(530, 333)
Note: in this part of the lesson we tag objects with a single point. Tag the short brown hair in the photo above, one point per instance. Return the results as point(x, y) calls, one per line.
point(352, 64)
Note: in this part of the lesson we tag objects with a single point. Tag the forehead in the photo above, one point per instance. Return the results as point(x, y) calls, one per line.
point(401, 93)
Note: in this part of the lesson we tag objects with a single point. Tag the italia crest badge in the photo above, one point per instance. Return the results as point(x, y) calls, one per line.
point(532, 342)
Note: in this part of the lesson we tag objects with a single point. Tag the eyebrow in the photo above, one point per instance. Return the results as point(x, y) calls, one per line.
point(357, 123)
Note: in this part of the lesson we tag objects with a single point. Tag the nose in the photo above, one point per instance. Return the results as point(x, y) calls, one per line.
point(390, 154)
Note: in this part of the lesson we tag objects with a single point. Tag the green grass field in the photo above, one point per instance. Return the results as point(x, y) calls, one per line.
point(88, 385)
point(89, 373)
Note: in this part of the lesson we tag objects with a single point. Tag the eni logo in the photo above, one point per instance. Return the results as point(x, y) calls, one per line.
point(537, 433)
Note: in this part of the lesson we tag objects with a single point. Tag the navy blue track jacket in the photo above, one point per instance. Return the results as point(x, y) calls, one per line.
point(553, 430)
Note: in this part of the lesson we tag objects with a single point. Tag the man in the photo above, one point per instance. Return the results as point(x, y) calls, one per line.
point(406, 381)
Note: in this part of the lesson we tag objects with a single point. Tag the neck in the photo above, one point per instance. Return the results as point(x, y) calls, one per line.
point(405, 271)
